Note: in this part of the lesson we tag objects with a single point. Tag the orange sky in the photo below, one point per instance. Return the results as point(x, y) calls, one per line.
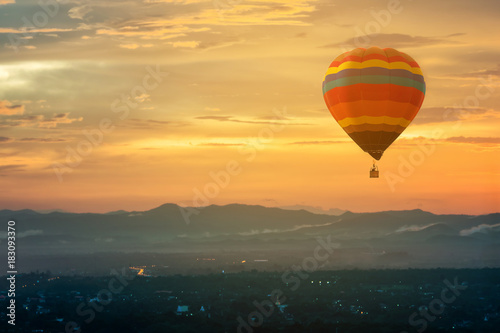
point(239, 82)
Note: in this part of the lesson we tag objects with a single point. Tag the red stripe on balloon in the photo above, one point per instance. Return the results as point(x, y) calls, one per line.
point(374, 92)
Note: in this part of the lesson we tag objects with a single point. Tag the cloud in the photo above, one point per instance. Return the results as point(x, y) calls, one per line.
point(129, 46)
point(474, 140)
point(160, 20)
point(481, 73)
point(6, 108)
point(267, 13)
point(31, 232)
point(4, 139)
point(11, 168)
point(234, 120)
point(220, 42)
point(448, 114)
point(482, 228)
point(162, 122)
point(151, 123)
point(32, 30)
point(22, 234)
point(45, 140)
point(60, 118)
point(40, 121)
point(317, 142)
point(6, 2)
point(185, 44)
point(414, 227)
point(231, 119)
point(274, 117)
point(220, 144)
point(79, 12)
point(294, 228)
point(394, 40)
point(144, 30)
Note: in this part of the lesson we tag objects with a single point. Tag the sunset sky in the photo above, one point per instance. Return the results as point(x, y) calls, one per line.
point(179, 90)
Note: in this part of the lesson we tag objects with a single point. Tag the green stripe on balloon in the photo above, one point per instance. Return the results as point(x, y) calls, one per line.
point(374, 79)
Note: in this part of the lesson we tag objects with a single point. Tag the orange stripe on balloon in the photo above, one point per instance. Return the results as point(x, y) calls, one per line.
point(373, 109)
point(374, 92)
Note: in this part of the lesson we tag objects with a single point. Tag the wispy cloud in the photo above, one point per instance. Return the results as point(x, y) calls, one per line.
point(236, 120)
point(449, 114)
point(44, 140)
point(7, 108)
point(220, 144)
point(22, 234)
point(474, 140)
point(136, 123)
point(398, 40)
point(295, 228)
point(414, 227)
point(482, 228)
point(40, 121)
point(481, 73)
point(11, 168)
point(318, 142)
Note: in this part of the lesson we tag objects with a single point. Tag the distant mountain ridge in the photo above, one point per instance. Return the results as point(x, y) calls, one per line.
point(315, 210)
point(237, 227)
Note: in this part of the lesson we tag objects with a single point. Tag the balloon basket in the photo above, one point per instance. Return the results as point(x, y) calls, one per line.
point(374, 171)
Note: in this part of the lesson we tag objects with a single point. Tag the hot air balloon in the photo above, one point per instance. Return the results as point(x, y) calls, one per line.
point(374, 94)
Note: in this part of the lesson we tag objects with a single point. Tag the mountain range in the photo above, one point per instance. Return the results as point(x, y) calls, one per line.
point(408, 238)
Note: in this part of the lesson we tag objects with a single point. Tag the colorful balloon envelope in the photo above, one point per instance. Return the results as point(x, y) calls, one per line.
point(374, 94)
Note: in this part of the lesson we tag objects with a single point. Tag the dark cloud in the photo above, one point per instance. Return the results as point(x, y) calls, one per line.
point(6, 108)
point(211, 41)
point(394, 40)
point(159, 122)
point(265, 8)
point(317, 142)
point(234, 120)
point(12, 168)
point(136, 123)
point(40, 121)
point(41, 140)
point(4, 139)
point(274, 117)
point(220, 144)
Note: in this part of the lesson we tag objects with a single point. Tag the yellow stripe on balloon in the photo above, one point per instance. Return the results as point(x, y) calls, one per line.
point(373, 63)
point(374, 121)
